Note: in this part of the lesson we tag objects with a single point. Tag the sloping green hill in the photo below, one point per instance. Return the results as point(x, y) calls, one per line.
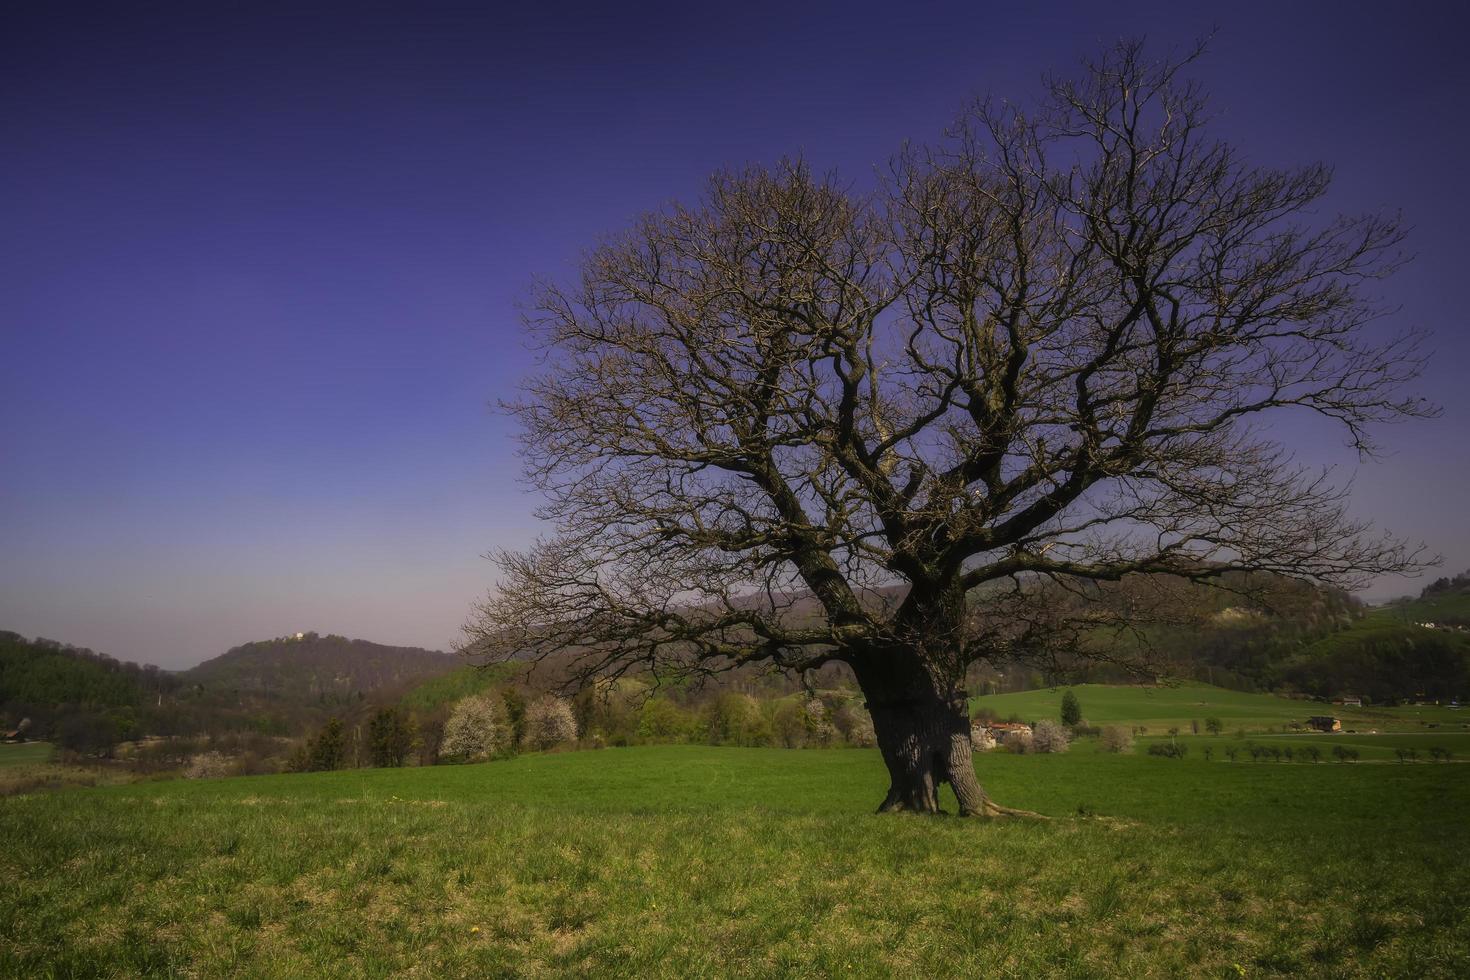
point(1407, 650)
point(461, 682)
point(309, 666)
point(44, 672)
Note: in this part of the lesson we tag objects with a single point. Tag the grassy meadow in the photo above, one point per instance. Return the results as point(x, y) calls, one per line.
point(1162, 707)
point(693, 861)
point(16, 755)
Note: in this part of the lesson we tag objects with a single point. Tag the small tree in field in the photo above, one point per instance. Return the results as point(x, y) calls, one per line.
point(1214, 726)
point(1116, 738)
point(1048, 736)
point(474, 731)
point(991, 405)
point(329, 751)
point(325, 751)
point(390, 737)
point(549, 723)
point(1071, 710)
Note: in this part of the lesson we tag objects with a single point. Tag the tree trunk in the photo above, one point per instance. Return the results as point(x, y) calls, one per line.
point(923, 731)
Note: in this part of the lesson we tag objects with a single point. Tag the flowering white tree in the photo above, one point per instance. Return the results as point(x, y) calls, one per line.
point(1048, 736)
point(473, 730)
point(981, 739)
point(1116, 738)
point(549, 722)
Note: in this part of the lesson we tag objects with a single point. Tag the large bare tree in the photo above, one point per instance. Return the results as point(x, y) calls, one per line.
point(798, 423)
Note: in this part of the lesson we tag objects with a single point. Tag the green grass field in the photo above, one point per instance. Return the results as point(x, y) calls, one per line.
point(690, 861)
point(1162, 707)
point(24, 754)
point(1370, 748)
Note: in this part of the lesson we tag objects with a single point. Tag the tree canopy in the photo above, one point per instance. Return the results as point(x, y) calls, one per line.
point(802, 421)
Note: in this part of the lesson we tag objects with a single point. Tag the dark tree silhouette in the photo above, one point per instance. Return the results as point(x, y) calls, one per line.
point(912, 429)
point(1071, 709)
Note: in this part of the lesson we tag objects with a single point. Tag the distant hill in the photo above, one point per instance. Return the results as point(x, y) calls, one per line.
point(81, 699)
point(309, 667)
point(45, 672)
point(1417, 648)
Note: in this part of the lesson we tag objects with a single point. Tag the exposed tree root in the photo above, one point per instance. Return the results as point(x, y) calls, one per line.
point(991, 809)
point(988, 810)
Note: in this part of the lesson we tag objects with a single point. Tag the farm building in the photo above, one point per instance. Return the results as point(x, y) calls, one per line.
point(1324, 723)
point(1002, 730)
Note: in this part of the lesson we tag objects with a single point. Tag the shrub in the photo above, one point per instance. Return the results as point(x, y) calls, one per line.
point(855, 724)
point(1048, 736)
point(660, 720)
point(818, 722)
point(207, 765)
point(1344, 754)
point(1116, 738)
point(1018, 742)
point(735, 719)
point(515, 714)
point(550, 722)
point(1168, 750)
point(789, 725)
point(473, 731)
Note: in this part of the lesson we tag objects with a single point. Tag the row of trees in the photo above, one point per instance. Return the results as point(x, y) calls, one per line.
point(497, 723)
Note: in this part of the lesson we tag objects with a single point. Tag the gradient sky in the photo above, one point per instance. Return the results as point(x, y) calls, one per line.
point(259, 263)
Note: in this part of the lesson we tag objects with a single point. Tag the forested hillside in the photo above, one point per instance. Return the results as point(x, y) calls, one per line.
point(310, 667)
point(75, 696)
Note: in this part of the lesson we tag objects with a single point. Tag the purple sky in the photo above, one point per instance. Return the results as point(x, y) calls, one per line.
point(259, 268)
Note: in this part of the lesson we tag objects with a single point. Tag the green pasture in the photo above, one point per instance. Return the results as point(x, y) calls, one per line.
point(1162, 707)
point(1370, 748)
point(13, 755)
point(686, 861)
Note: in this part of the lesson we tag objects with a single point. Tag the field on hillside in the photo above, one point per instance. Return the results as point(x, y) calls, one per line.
point(691, 861)
point(1161, 707)
point(24, 754)
point(1370, 748)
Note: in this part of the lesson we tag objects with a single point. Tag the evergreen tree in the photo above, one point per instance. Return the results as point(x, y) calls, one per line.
point(390, 736)
point(328, 749)
point(1071, 709)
